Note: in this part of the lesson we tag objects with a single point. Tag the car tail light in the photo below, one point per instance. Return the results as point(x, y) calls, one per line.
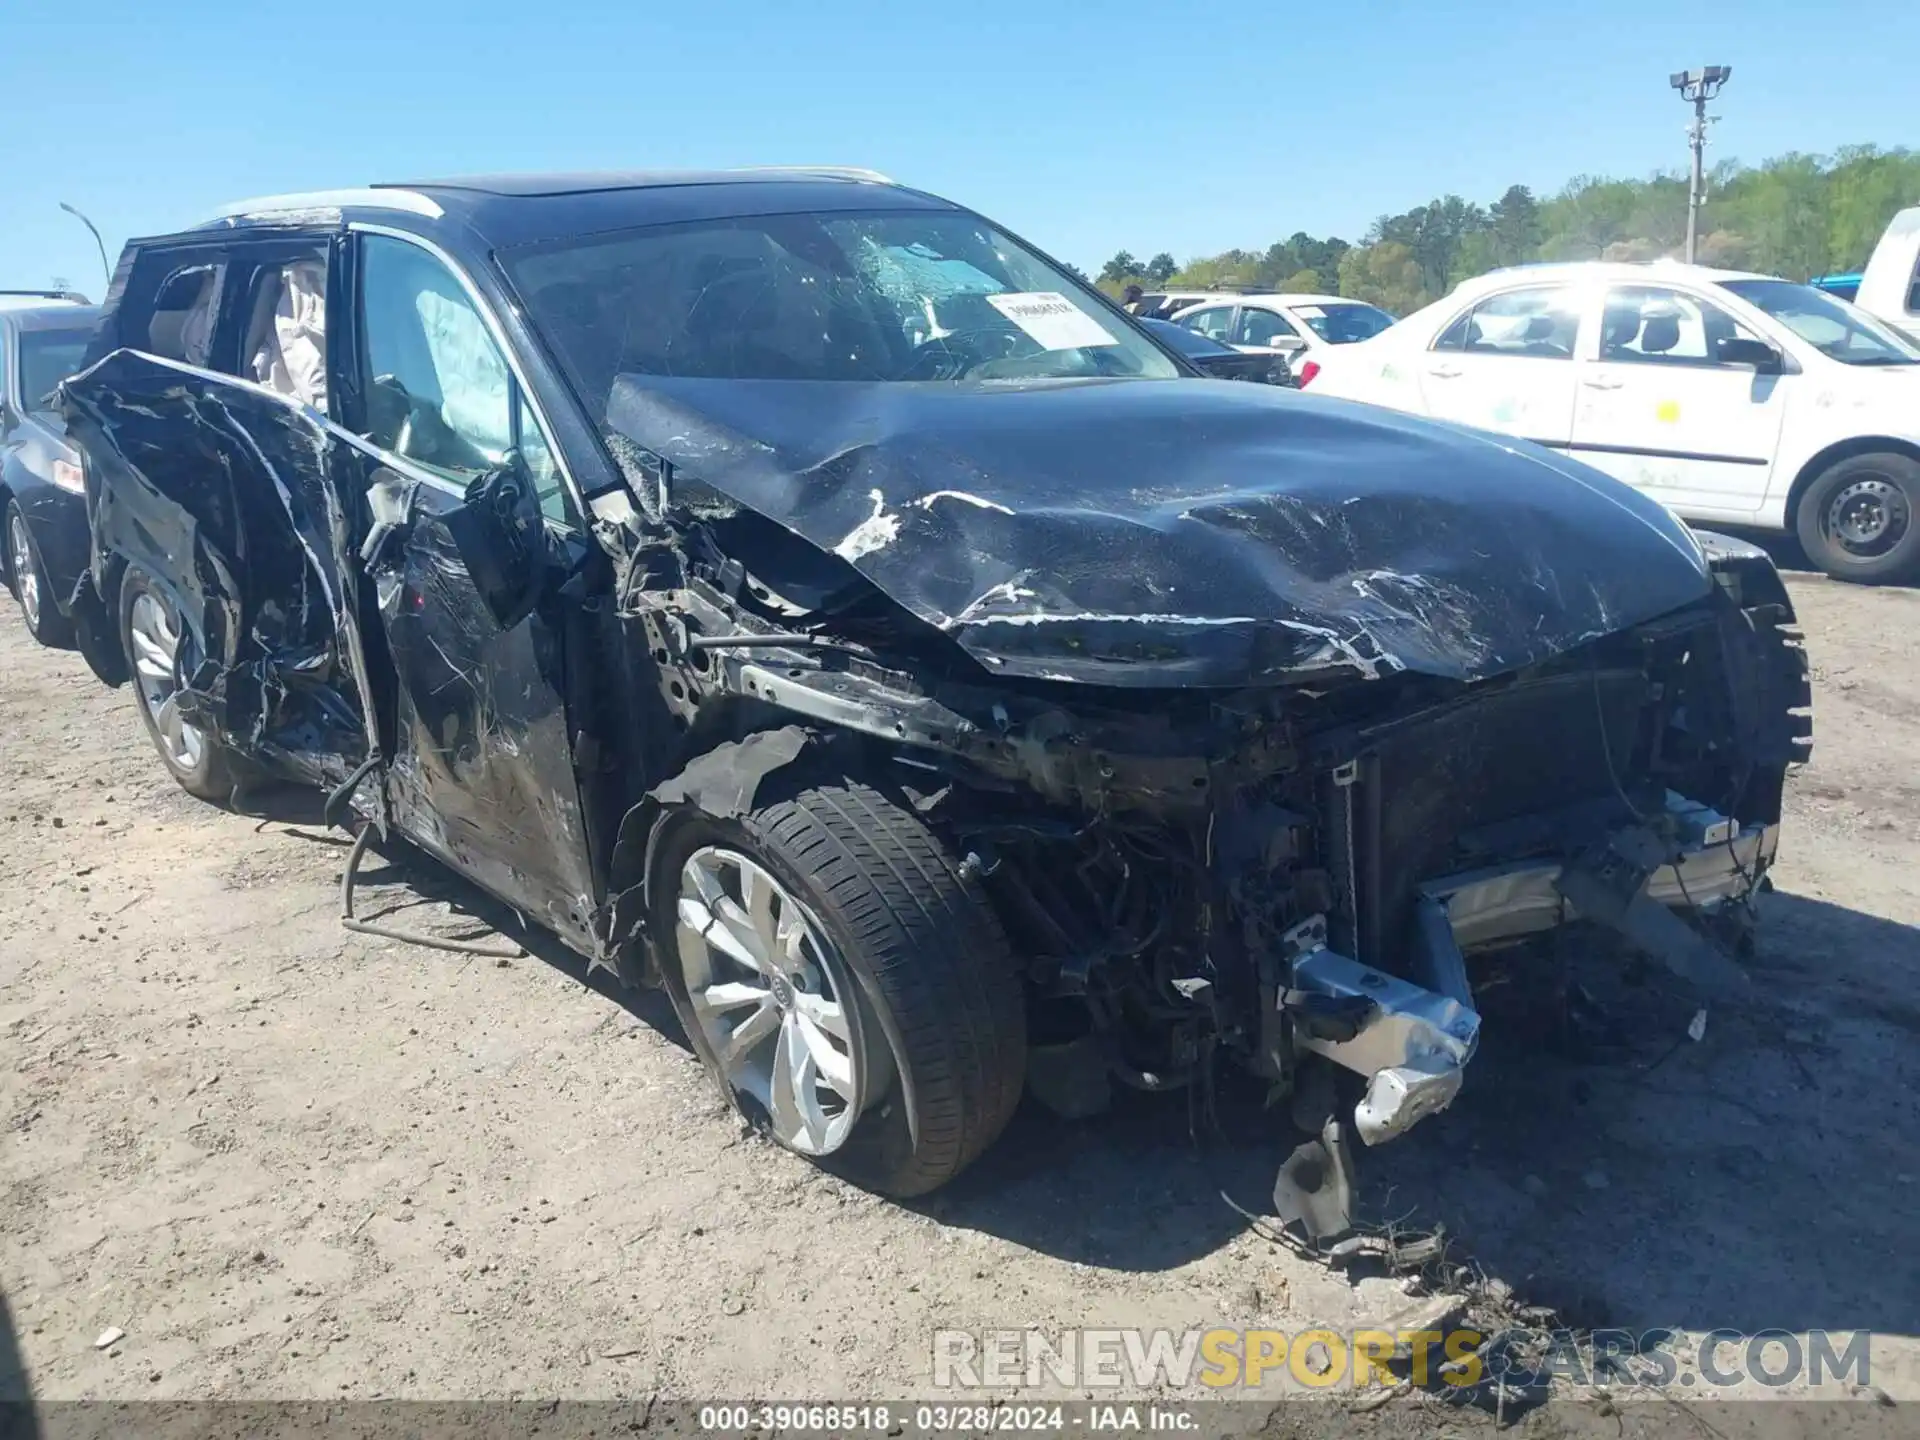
point(69, 476)
point(1307, 372)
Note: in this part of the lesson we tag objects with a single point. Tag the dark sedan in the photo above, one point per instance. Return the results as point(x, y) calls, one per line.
point(1221, 362)
point(41, 495)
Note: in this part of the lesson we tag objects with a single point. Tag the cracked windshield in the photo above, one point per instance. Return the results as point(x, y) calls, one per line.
point(806, 297)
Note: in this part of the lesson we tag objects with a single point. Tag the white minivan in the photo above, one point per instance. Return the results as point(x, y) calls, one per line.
point(1732, 398)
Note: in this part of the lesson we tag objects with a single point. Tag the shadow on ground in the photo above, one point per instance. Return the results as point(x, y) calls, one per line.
point(1764, 1176)
point(1606, 1164)
point(17, 1416)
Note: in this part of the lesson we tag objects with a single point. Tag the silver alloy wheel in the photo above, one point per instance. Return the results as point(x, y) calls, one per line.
point(26, 580)
point(1868, 515)
point(155, 632)
point(773, 1000)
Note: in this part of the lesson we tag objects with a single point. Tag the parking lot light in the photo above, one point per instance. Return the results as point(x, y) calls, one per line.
point(1697, 87)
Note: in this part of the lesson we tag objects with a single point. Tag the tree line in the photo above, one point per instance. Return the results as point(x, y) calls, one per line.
point(1798, 216)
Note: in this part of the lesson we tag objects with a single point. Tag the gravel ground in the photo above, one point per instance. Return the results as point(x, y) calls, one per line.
point(290, 1162)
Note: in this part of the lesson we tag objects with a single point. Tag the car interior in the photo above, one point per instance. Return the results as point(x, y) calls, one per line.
point(286, 343)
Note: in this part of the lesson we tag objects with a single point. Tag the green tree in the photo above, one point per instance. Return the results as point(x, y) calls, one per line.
point(1386, 274)
point(1302, 282)
point(1796, 215)
point(1513, 227)
point(1160, 268)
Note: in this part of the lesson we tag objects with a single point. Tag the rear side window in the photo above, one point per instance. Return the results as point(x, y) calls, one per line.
point(1540, 323)
point(1215, 322)
point(180, 326)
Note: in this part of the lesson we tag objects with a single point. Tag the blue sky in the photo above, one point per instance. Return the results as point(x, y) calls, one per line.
point(1084, 127)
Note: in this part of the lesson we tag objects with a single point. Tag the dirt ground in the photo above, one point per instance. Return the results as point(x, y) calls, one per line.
point(293, 1162)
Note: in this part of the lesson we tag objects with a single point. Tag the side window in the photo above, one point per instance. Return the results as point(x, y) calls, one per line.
point(1651, 325)
point(1539, 324)
point(181, 325)
point(1215, 322)
point(1262, 327)
point(1913, 291)
point(438, 389)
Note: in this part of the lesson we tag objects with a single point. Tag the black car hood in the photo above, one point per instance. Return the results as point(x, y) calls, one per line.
point(1204, 533)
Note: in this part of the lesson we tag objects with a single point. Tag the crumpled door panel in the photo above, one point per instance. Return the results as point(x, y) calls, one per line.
point(483, 767)
point(230, 498)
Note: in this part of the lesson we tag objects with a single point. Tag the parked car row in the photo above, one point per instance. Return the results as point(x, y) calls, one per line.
point(43, 338)
point(796, 592)
point(1731, 398)
point(1305, 328)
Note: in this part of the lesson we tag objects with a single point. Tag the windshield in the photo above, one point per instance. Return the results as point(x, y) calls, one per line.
point(46, 358)
point(1344, 324)
point(1831, 326)
point(920, 295)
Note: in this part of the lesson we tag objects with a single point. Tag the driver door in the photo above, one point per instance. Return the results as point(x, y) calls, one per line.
point(482, 771)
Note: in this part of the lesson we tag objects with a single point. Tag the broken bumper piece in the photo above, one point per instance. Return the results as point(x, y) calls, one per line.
point(1509, 901)
point(1413, 1041)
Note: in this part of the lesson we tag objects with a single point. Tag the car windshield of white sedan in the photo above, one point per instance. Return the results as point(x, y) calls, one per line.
point(1344, 324)
point(1831, 326)
point(924, 295)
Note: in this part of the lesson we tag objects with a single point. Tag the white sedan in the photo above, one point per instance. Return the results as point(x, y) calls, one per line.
point(1301, 327)
point(1732, 398)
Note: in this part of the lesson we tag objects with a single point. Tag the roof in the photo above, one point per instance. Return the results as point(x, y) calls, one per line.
point(417, 197)
point(510, 210)
point(54, 317)
point(1621, 271)
point(1300, 297)
point(13, 300)
point(589, 182)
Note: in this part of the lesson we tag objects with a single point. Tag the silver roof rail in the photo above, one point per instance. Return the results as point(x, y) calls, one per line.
point(847, 172)
point(410, 201)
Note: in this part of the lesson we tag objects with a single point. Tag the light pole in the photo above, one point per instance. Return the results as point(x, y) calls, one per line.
point(1697, 87)
point(105, 268)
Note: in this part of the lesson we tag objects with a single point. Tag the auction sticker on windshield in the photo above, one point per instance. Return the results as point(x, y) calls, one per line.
point(1053, 321)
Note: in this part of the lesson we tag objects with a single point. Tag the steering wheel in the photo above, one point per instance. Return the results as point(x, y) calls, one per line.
point(953, 355)
point(423, 433)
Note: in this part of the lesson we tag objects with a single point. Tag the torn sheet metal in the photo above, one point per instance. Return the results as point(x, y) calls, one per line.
point(1146, 533)
point(229, 497)
point(249, 507)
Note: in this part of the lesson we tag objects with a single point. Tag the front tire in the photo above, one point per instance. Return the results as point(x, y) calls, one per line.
point(31, 588)
point(1860, 520)
point(851, 993)
point(159, 645)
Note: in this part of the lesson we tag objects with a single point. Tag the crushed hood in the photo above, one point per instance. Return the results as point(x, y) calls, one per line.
point(1203, 533)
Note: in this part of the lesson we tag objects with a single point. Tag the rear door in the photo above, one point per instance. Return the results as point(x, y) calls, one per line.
point(482, 767)
point(1506, 364)
point(1660, 410)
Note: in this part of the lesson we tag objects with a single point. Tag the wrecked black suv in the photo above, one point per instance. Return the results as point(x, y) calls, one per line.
point(796, 592)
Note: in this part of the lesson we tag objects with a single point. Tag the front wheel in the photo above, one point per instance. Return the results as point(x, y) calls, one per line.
point(159, 646)
point(30, 584)
point(1857, 520)
point(852, 994)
